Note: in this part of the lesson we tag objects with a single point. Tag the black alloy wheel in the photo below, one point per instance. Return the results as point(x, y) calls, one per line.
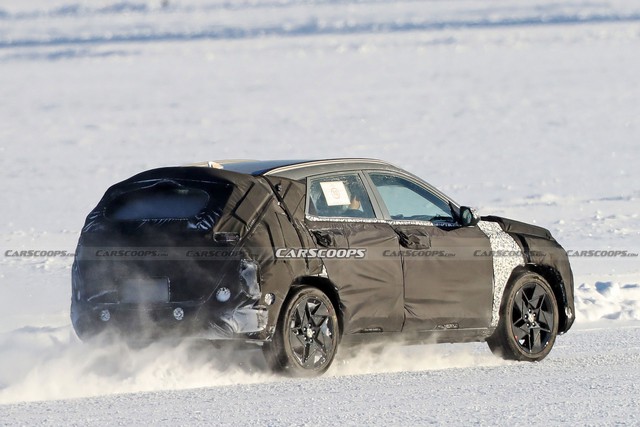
point(528, 323)
point(307, 334)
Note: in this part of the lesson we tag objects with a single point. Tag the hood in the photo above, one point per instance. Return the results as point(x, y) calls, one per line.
point(517, 227)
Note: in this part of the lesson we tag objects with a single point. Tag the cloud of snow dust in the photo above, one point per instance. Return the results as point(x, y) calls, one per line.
point(52, 363)
point(395, 357)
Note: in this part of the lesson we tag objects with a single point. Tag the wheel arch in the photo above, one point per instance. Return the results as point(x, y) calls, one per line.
point(328, 288)
point(554, 279)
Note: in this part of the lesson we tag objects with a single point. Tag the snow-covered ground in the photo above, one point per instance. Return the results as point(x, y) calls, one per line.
point(590, 379)
point(524, 109)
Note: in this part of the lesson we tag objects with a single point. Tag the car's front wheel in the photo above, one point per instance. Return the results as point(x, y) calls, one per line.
point(307, 334)
point(528, 323)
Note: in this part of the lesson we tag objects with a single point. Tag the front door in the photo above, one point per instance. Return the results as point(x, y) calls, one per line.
point(446, 286)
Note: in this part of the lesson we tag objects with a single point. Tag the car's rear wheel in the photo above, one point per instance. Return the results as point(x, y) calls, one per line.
point(528, 323)
point(307, 334)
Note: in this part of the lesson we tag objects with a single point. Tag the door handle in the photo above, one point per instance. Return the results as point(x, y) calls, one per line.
point(414, 241)
point(323, 238)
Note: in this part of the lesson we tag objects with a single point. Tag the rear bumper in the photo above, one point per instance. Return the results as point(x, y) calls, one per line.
point(232, 308)
point(184, 319)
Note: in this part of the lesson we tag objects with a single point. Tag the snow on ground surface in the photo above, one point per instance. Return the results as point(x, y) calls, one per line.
point(576, 385)
point(523, 109)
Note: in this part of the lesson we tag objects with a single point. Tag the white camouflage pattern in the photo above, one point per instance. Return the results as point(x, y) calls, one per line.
point(503, 264)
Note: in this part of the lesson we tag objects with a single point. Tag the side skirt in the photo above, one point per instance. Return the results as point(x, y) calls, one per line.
point(423, 337)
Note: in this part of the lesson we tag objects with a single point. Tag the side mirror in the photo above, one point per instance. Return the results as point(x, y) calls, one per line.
point(468, 217)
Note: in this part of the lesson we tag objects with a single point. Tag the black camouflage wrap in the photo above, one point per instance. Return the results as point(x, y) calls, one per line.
point(377, 295)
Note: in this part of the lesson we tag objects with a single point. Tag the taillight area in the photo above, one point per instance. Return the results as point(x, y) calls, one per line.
point(249, 280)
point(146, 282)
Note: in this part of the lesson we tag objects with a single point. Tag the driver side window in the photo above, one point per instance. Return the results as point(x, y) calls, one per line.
point(409, 201)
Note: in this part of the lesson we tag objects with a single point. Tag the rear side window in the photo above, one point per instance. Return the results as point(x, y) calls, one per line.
point(165, 200)
point(339, 196)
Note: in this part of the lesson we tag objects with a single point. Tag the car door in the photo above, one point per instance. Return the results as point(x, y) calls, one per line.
point(340, 216)
point(445, 285)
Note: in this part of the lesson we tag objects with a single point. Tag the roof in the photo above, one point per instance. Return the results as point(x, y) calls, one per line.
point(242, 170)
point(300, 169)
point(297, 169)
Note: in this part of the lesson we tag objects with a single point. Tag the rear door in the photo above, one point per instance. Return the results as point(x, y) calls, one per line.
point(445, 285)
point(341, 217)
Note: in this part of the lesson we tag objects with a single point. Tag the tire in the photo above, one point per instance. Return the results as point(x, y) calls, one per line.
point(528, 323)
point(306, 337)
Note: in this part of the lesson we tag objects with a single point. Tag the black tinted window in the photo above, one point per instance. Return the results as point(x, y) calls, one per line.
point(160, 201)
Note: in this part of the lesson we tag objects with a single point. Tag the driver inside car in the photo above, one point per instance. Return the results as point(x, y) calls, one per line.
point(354, 207)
